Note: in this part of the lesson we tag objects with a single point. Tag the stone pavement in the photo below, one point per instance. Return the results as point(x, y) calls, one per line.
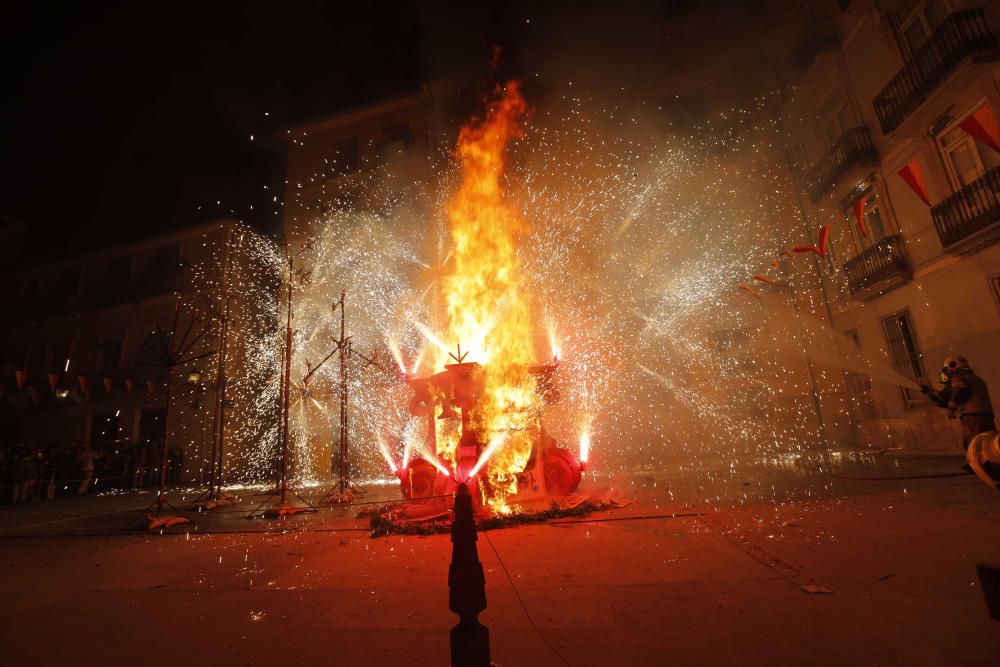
point(742, 583)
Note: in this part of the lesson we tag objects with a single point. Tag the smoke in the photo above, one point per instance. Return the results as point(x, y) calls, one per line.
point(823, 345)
point(651, 184)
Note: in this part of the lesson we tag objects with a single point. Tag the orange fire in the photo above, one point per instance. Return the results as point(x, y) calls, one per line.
point(488, 313)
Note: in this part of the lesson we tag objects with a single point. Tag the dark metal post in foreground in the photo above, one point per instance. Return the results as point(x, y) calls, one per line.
point(989, 579)
point(470, 640)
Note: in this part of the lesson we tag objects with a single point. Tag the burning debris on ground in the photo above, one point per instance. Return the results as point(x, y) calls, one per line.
point(434, 516)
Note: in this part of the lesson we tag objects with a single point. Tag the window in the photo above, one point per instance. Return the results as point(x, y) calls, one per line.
point(964, 157)
point(873, 220)
point(396, 135)
point(109, 355)
point(874, 224)
point(162, 272)
point(834, 118)
point(66, 289)
point(394, 141)
point(112, 283)
point(901, 339)
point(914, 35)
point(57, 354)
point(832, 251)
point(345, 158)
point(917, 27)
point(995, 287)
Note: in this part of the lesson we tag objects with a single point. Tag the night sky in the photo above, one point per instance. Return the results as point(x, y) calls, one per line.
point(120, 121)
point(123, 120)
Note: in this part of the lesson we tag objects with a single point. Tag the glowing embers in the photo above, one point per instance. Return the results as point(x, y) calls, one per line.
point(502, 457)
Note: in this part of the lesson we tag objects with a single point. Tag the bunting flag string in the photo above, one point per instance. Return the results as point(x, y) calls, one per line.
point(910, 173)
point(982, 126)
point(819, 248)
point(763, 279)
point(84, 386)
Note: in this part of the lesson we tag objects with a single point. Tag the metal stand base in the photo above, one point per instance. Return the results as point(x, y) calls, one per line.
point(207, 502)
point(343, 494)
point(155, 520)
point(281, 510)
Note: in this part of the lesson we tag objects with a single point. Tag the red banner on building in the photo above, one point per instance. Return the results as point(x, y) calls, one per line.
point(20, 376)
point(981, 126)
point(53, 381)
point(912, 176)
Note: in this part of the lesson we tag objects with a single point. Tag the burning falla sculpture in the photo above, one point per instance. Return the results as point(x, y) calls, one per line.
point(484, 416)
point(454, 402)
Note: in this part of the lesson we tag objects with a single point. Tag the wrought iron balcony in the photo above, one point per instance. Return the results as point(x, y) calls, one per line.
point(970, 212)
point(852, 148)
point(878, 268)
point(962, 34)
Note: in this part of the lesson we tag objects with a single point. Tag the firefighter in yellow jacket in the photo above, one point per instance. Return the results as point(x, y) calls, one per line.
point(965, 395)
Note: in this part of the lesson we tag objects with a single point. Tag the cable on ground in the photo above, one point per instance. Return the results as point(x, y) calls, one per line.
point(891, 478)
point(523, 607)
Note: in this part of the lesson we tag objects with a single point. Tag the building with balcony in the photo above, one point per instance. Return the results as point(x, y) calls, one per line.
point(966, 221)
point(332, 162)
point(892, 137)
point(85, 341)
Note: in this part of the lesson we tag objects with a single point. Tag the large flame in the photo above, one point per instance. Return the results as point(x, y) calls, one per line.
point(487, 312)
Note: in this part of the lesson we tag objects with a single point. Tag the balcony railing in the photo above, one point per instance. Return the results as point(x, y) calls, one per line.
point(853, 147)
point(970, 210)
point(883, 263)
point(962, 34)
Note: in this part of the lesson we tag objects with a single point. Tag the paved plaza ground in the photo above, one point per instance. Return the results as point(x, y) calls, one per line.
point(775, 564)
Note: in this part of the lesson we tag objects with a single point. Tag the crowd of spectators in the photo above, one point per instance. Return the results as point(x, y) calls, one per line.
point(31, 473)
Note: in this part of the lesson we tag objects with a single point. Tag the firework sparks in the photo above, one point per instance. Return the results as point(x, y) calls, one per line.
point(578, 237)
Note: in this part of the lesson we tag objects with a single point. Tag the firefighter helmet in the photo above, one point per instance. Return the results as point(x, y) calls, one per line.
point(954, 362)
point(951, 364)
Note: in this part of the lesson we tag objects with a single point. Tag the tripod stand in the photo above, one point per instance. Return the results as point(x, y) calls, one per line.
point(283, 507)
point(345, 491)
point(169, 355)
